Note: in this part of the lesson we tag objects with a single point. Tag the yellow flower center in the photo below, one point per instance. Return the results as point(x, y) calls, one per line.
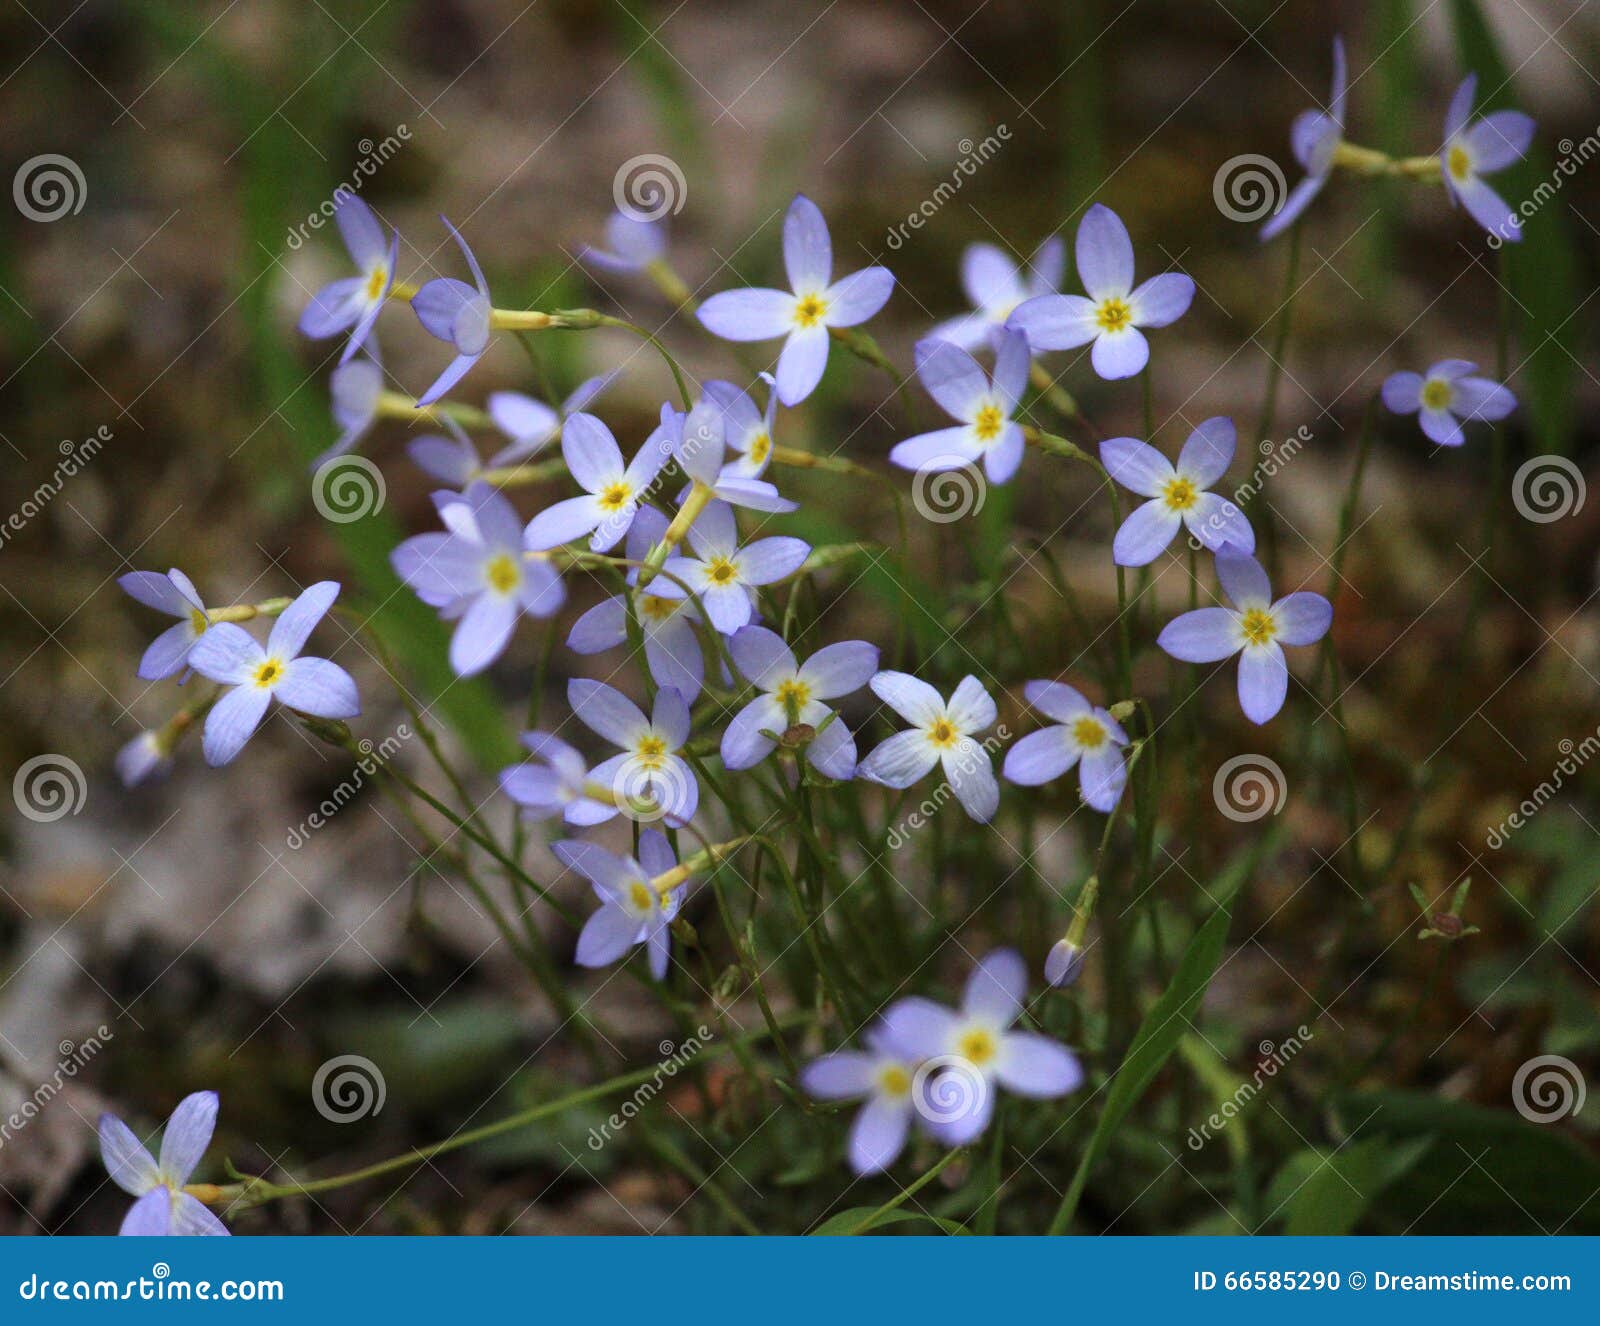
point(1113, 315)
point(198, 621)
point(722, 572)
point(650, 751)
point(1090, 733)
point(760, 448)
point(658, 609)
point(988, 423)
point(1436, 394)
point(943, 733)
point(1459, 162)
point(615, 496)
point(792, 695)
point(893, 1080)
point(502, 573)
point(1180, 494)
point(808, 310)
point(1258, 626)
point(375, 281)
point(268, 673)
point(977, 1046)
point(639, 895)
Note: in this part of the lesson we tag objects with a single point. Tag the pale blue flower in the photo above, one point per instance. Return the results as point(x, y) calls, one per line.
point(1473, 150)
point(1315, 137)
point(161, 1206)
point(459, 315)
point(882, 1077)
point(1084, 734)
point(1448, 395)
point(1178, 496)
point(632, 910)
point(941, 734)
point(175, 595)
point(995, 286)
point(984, 405)
point(354, 302)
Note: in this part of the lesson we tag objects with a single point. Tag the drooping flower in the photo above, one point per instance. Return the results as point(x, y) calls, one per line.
point(746, 429)
point(1315, 137)
point(531, 424)
point(968, 1053)
point(700, 446)
point(354, 302)
point(634, 242)
point(667, 625)
point(175, 595)
point(1256, 628)
point(725, 575)
point(941, 734)
point(229, 655)
point(995, 286)
point(354, 390)
point(983, 405)
point(1480, 148)
point(143, 758)
point(612, 490)
point(632, 910)
point(559, 783)
point(459, 315)
point(162, 1206)
point(1114, 310)
point(1177, 494)
point(452, 460)
point(648, 779)
point(804, 313)
point(478, 574)
point(1448, 395)
point(1083, 734)
point(792, 695)
point(882, 1076)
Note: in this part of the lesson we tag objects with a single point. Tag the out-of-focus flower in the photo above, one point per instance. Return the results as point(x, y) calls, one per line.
point(478, 575)
point(632, 910)
point(162, 1206)
point(354, 302)
point(648, 776)
point(984, 406)
point(531, 424)
point(612, 490)
point(1084, 734)
point(555, 785)
point(791, 696)
point(459, 315)
point(1177, 494)
point(804, 313)
point(1480, 148)
point(725, 575)
point(143, 758)
point(355, 389)
point(746, 429)
point(230, 655)
point(1063, 963)
point(1256, 628)
point(175, 595)
point(452, 460)
point(1448, 395)
point(995, 286)
point(1315, 137)
point(940, 734)
point(634, 243)
point(1114, 310)
point(881, 1076)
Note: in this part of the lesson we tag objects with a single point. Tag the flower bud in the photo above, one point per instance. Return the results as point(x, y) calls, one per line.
point(1063, 963)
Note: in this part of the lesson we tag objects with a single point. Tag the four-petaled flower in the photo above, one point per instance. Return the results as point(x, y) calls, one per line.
point(553, 787)
point(746, 429)
point(632, 910)
point(941, 734)
point(804, 313)
point(1083, 734)
point(1473, 150)
point(1315, 137)
point(725, 575)
point(230, 655)
point(791, 696)
point(1177, 494)
point(612, 490)
point(459, 315)
point(175, 595)
point(162, 1206)
point(1114, 310)
point(984, 405)
point(648, 779)
point(1256, 628)
point(1447, 396)
point(996, 286)
point(882, 1076)
point(354, 302)
point(531, 424)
